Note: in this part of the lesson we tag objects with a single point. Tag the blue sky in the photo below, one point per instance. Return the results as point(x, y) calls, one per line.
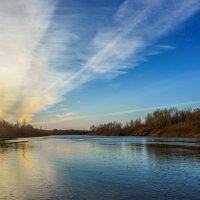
point(86, 62)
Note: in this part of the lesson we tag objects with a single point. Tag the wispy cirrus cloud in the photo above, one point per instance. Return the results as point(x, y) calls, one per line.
point(122, 42)
point(47, 51)
point(73, 116)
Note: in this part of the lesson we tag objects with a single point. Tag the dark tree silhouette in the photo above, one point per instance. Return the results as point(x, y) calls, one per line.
point(14, 130)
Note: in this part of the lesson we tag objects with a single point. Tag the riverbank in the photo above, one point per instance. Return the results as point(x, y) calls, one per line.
point(43, 133)
point(9, 131)
point(160, 123)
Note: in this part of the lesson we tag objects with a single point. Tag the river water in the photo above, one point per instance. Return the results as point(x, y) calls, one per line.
point(100, 168)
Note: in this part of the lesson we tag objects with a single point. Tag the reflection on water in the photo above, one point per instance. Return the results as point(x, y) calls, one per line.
point(21, 173)
point(87, 167)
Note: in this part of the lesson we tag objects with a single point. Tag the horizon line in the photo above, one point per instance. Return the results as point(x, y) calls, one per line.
point(119, 112)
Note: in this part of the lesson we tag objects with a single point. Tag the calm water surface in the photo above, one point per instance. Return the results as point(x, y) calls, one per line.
point(100, 168)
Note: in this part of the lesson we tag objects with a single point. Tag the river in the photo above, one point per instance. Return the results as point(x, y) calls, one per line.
point(100, 168)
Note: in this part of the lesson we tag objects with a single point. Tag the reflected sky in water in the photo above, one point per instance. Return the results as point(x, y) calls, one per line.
point(87, 167)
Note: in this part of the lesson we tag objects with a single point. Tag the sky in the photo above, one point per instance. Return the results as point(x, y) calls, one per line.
point(69, 64)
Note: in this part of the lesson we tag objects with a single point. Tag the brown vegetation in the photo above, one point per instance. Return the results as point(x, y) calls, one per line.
point(166, 122)
point(68, 132)
point(15, 130)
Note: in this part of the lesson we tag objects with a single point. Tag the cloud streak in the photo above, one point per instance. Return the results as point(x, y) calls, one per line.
point(134, 28)
point(24, 73)
point(45, 52)
point(72, 116)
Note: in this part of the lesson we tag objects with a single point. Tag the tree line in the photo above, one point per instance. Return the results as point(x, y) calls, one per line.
point(162, 122)
point(10, 130)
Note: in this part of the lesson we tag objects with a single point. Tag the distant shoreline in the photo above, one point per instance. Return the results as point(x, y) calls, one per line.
point(161, 123)
point(46, 133)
